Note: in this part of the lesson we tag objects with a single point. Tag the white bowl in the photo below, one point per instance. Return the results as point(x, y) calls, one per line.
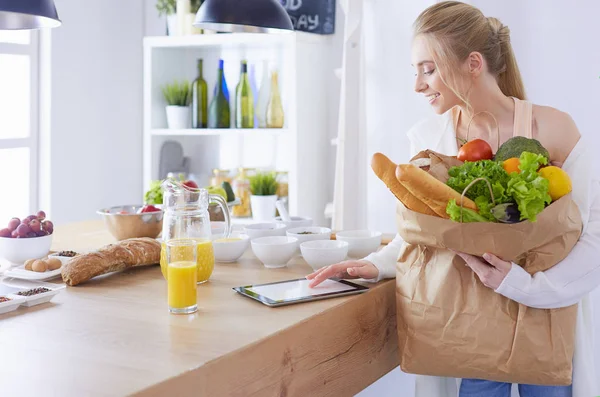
point(231, 249)
point(310, 233)
point(361, 242)
point(274, 251)
point(258, 230)
point(321, 253)
point(18, 250)
point(297, 221)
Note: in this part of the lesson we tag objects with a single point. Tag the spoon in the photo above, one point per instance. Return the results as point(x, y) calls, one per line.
point(282, 211)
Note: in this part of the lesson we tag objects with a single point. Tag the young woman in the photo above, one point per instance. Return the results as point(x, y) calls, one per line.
point(465, 66)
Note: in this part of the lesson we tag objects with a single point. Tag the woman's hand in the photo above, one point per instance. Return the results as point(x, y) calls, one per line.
point(491, 271)
point(348, 269)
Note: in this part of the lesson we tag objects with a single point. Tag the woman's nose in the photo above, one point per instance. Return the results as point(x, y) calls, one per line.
point(420, 85)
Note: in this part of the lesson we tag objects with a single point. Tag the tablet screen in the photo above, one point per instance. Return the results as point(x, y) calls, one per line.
point(296, 289)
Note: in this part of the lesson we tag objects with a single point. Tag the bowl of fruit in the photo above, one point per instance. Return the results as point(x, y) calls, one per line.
point(133, 221)
point(26, 238)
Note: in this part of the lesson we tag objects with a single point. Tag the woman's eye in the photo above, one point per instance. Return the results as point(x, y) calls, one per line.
point(428, 72)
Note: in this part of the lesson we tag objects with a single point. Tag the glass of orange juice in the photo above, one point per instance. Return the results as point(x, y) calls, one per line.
point(182, 276)
point(205, 259)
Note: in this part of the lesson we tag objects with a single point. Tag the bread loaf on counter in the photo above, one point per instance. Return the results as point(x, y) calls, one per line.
point(111, 258)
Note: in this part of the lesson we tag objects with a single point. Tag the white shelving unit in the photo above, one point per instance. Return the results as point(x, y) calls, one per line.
point(299, 148)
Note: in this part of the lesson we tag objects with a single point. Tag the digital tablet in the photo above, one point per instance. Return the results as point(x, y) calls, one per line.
point(297, 291)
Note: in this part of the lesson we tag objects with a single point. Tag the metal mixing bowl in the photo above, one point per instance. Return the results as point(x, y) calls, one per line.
point(131, 225)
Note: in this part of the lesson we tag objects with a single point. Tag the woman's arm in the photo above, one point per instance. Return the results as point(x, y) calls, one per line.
point(567, 282)
point(385, 259)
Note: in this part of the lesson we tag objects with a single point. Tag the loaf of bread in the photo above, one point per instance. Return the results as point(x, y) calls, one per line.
point(111, 258)
point(432, 192)
point(385, 169)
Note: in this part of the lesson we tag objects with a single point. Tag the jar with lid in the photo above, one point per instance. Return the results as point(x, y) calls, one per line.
point(283, 180)
point(241, 188)
point(220, 176)
point(282, 189)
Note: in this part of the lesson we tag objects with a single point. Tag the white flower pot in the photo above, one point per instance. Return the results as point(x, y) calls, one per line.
point(179, 117)
point(263, 207)
point(172, 25)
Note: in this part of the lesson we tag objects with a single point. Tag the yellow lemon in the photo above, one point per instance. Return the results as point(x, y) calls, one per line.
point(559, 181)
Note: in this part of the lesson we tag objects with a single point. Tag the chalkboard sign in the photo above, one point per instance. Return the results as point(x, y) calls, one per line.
point(313, 16)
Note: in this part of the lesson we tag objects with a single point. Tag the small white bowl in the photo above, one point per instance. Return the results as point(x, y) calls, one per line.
point(18, 250)
point(258, 230)
point(274, 251)
point(310, 233)
point(231, 249)
point(361, 242)
point(321, 253)
point(297, 221)
point(39, 298)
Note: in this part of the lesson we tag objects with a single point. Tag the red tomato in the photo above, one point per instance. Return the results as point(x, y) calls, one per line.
point(475, 150)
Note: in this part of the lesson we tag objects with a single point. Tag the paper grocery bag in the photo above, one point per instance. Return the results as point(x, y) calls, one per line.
point(450, 324)
point(440, 163)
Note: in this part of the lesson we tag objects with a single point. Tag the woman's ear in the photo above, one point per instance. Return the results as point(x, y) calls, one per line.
point(475, 64)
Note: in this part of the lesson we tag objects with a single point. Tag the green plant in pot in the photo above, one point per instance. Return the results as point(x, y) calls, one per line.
point(168, 9)
point(178, 97)
point(263, 189)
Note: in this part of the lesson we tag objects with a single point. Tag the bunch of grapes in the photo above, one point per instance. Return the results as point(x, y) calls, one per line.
point(32, 226)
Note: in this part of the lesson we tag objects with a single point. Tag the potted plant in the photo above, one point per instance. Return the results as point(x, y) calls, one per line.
point(168, 8)
point(178, 97)
point(263, 189)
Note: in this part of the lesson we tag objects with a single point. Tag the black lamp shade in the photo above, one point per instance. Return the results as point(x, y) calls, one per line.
point(28, 14)
point(253, 16)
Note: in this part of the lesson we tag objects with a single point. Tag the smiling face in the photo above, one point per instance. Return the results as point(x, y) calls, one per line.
point(429, 80)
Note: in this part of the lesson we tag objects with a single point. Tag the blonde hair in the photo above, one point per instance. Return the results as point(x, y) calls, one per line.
point(453, 30)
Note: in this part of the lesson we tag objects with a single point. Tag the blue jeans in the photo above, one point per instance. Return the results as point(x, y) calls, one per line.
point(487, 388)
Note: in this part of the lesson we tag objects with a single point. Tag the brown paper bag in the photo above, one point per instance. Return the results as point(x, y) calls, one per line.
point(440, 163)
point(450, 324)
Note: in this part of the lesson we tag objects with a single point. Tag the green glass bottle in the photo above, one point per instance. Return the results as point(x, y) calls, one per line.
point(199, 100)
point(244, 100)
point(219, 115)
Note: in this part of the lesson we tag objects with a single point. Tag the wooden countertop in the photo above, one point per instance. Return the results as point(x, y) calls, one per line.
point(113, 336)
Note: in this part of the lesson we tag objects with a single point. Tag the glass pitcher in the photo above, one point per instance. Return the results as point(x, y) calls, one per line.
point(186, 217)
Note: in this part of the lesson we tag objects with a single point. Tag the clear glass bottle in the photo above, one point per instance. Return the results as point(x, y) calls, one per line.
point(275, 117)
point(244, 100)
point(264, 94)
point(199, 100)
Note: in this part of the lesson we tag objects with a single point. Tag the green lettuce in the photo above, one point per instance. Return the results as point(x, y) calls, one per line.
point(527, 188)
point(468, 215)
point(462, 176)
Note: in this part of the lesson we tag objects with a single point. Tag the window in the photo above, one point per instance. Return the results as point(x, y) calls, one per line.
point(19, 55)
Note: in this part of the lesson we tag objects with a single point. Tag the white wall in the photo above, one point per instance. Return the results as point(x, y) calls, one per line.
point(559, 60)
point(96, 108)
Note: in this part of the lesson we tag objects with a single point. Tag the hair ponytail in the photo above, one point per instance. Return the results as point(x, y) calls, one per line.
point(509, 76)
point(454, 30)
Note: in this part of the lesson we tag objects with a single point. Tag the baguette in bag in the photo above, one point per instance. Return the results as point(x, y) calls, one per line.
point(385, 169)
point(428, 189)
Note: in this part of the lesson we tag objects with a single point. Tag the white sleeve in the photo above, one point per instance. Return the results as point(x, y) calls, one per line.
point(385, 259)
point(568, 281)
